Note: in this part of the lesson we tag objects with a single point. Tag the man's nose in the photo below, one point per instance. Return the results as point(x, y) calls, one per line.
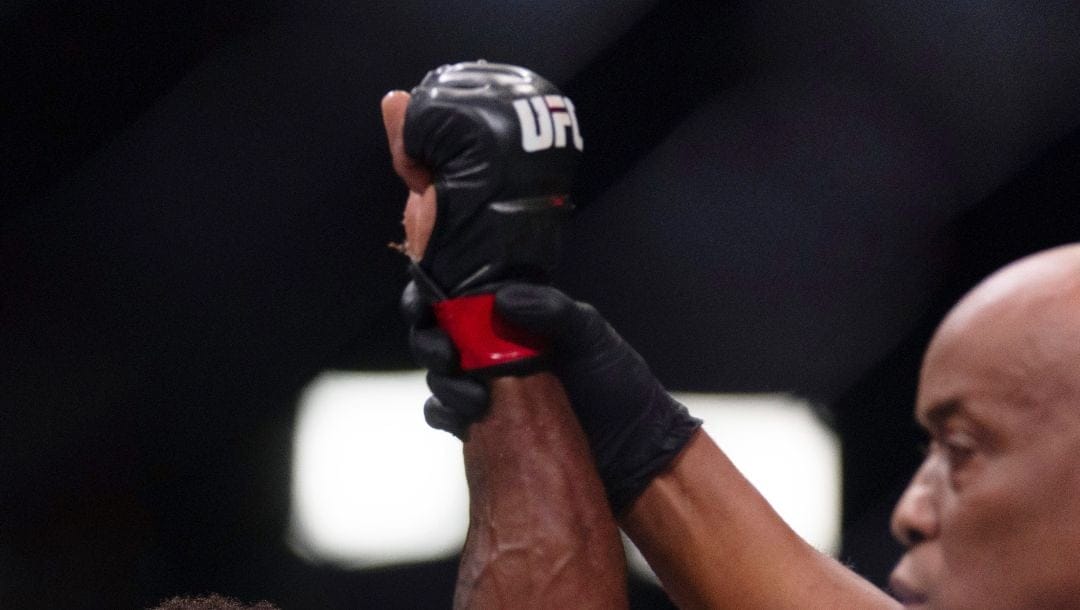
point(915, 518)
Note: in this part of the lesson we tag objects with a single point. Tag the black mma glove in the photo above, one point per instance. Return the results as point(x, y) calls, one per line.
point(502, 144)
point(634, 427)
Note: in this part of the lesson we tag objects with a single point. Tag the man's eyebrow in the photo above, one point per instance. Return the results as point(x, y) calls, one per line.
point(938, 413)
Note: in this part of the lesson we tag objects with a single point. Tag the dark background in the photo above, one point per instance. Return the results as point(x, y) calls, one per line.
point(197, 197)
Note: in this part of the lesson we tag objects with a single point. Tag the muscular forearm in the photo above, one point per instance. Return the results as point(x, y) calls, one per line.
point(716, 543)
point(541, 534)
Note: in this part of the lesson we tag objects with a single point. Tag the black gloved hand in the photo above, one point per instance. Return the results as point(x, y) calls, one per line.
point(432, 349)
point(634, 427)
point(502, 144)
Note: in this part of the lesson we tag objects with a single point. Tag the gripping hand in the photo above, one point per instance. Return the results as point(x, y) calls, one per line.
point(634, 427)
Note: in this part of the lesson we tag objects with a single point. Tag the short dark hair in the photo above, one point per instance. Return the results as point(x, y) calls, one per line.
point(211, 601)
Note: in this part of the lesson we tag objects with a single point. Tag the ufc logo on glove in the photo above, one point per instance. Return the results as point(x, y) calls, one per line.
point(545, 120)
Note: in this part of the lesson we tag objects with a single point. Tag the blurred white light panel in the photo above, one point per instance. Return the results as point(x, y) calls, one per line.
point(373, 485)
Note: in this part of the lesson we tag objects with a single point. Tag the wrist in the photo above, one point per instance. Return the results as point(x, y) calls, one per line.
point(485, 342)
point(645, 449)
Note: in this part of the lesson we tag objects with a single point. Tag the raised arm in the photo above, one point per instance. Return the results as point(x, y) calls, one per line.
point(483, 210)
point(716, 543)
point(710, 536)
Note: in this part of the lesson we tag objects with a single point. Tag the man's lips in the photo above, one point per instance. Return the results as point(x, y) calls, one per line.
point(906, 593)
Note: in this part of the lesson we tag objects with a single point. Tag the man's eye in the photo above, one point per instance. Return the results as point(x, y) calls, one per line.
point(958, 448)
point(958, 454)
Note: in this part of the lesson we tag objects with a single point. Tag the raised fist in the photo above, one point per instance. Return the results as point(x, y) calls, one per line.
point(502, 145)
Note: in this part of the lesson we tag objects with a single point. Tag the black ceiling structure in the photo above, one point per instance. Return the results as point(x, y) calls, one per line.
point(196, 201)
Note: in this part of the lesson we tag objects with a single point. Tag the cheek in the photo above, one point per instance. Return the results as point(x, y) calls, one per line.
point(975, 536)
point(1000, 535)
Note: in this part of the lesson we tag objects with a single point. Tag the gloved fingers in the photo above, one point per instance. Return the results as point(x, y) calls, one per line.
point(415, 309)
point(432, 349)
point(465, 396)
point(546, 311)
point(535, 308)
point(438, 416)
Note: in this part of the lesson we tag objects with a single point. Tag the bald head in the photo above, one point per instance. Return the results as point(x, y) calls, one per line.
point(1024, 320)
point(1038, 285)
point(990, 517)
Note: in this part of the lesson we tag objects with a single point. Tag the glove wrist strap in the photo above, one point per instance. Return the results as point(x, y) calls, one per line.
point(482, 338)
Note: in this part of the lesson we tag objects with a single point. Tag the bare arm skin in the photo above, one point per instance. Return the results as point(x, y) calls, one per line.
point(716, 543)
point(540, 531)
